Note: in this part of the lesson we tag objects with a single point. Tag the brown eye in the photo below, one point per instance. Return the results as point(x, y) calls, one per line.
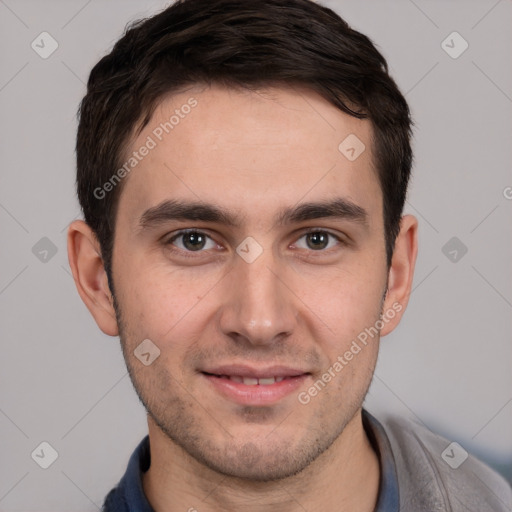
point(317, 240)
point(191, 241)
point(194, 241)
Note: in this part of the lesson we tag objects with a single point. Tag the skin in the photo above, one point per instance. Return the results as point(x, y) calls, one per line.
point(253, 154)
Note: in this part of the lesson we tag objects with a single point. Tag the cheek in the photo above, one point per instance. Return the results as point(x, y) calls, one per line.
point(346, 301)
point(165, 306)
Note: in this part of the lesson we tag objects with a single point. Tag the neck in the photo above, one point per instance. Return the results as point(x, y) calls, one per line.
point(344, 478)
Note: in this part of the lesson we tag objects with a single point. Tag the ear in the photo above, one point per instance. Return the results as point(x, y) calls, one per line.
point(91, 281)
point(401, 273)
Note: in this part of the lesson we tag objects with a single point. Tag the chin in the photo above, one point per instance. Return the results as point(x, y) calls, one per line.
point(257, 462)
point(257, 465)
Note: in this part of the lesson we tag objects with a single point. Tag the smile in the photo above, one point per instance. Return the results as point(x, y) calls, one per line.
point(252, 381)
point(251, 386)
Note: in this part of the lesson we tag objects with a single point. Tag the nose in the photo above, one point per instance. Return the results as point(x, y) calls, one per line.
point(259, 307)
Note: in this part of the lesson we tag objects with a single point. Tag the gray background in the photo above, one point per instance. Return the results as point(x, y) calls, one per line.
point(448, 364)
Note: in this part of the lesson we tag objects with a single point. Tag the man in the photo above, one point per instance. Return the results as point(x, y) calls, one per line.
point(242, 167)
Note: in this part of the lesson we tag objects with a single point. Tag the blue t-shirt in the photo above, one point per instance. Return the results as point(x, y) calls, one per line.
point(129, 496)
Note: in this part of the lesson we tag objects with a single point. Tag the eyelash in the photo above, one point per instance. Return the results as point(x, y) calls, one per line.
point(190, 254)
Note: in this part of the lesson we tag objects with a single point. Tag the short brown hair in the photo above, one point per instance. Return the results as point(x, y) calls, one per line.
point(236, 43)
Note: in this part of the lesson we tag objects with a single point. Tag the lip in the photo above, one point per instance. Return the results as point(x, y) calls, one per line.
point(256, 394)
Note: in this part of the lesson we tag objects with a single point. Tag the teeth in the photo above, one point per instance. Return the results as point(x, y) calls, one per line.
point(267, 381)
point(252, 381)
point(249, 381)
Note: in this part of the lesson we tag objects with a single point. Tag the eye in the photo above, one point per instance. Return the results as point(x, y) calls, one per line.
point(317, 240)
point(192, 241)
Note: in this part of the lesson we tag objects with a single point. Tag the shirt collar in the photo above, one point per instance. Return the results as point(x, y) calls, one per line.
point(129, 495)
point(388, 499)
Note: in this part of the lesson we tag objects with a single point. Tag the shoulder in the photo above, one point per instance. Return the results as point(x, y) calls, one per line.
point(436, 472)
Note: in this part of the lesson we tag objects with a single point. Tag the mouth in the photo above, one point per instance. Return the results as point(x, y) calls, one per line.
point(251, 381)
point(254, 386)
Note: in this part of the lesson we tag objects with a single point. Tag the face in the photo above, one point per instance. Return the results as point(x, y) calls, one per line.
point(250, 251)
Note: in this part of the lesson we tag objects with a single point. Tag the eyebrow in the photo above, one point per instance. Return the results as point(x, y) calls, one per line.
point(338, 208)
point(169, 210)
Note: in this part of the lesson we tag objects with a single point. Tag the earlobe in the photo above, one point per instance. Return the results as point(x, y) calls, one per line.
point(401, 273)
point(91, 281)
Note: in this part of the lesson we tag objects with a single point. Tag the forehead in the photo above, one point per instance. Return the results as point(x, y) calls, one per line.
point(241, 149)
